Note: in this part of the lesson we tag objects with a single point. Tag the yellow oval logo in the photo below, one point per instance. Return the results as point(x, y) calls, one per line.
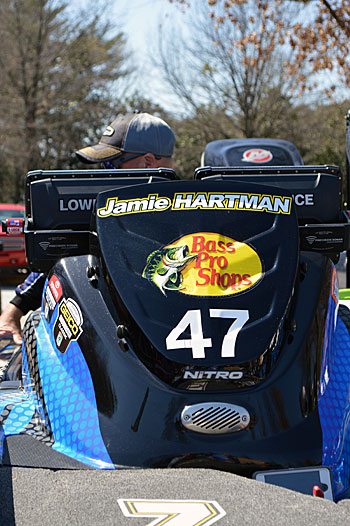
point(204, 264)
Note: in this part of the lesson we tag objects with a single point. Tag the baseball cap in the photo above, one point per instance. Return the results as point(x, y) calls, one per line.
point(137, 133)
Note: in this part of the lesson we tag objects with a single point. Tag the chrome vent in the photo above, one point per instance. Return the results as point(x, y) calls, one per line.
point(215, 418)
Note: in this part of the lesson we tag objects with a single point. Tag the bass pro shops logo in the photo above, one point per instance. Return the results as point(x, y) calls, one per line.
point(204, 264)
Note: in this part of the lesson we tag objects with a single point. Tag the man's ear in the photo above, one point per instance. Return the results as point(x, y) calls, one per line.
point(150, 160)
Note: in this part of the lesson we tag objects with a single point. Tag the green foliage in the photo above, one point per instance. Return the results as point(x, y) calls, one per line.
point(318, 132)
point(59, 84)
point(64, 78)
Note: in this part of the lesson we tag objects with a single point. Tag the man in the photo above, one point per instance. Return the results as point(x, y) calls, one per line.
point(136, 140)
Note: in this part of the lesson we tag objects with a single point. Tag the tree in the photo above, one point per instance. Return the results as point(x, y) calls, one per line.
point(227, 89)
point(319, 35)
point(212, 67)
point(58, 83)
point(278, 113)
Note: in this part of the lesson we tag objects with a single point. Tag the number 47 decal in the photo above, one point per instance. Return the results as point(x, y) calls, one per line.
point(197, 342)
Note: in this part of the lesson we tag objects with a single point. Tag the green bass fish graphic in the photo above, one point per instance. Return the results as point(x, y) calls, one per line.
point(164, 267)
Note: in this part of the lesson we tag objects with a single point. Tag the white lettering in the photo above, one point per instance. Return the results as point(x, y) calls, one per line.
point(73, 205)
point(152, 198)
point(247, 201)
point(231, 198)
point(62, 207)
point(210, 374)
point(190, 374)
point(217, 375)
point(86, 204)
point(135, 206)
point(281, 204)
point(222, 374)
point(200, 201)
point(266, 204)
point(191, 201)
point(120, 208)
point(299, 199)
point(309, 199)
point(162, 203)
point(304, 199)
point(183, 202)
point(235, 375)
point(216, 200)
point(108, 209)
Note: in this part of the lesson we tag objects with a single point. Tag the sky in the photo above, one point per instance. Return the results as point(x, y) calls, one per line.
point(140, 20)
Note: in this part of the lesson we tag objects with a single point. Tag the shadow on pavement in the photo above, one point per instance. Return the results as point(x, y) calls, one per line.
point(7, 511)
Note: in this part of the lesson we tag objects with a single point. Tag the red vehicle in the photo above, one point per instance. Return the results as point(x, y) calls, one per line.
point(12, 252)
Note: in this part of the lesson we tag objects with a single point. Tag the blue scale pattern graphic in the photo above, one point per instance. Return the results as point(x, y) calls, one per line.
point(70, 400)
point(19, 409)
point(334, 402)
point(19, 417)
point(16, 411)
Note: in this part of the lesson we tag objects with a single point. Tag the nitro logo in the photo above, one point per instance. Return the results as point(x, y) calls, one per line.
point(273, 204)
point(212, 375)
